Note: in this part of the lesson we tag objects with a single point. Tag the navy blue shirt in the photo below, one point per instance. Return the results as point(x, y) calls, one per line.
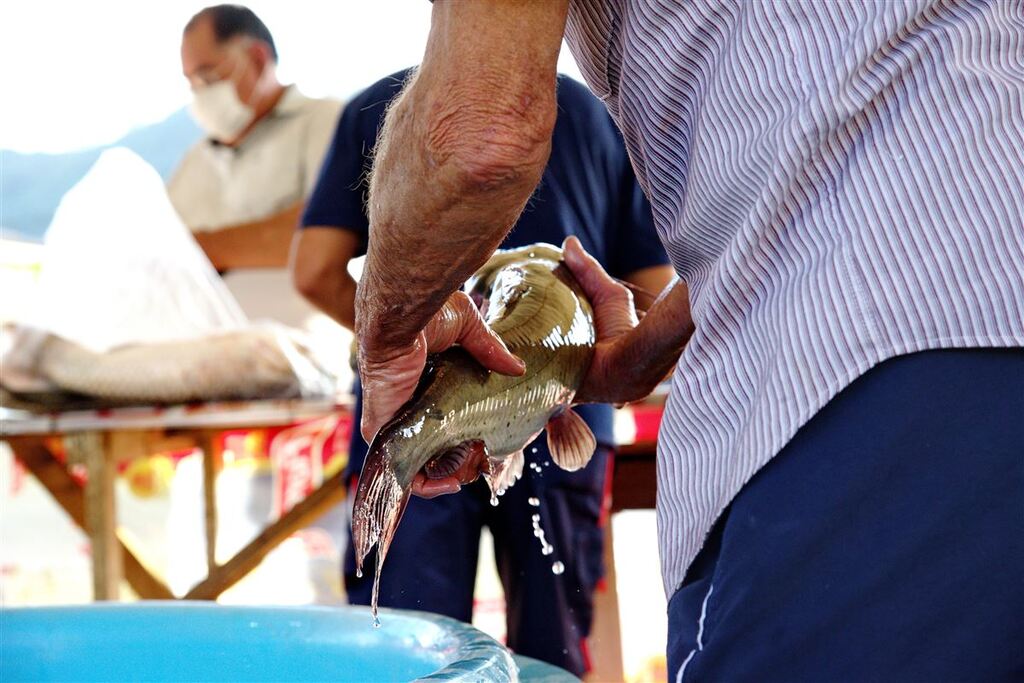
point(588, 190)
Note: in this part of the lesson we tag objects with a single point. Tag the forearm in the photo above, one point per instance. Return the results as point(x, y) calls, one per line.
point(335, 296)
point(647, 284)
point(460, 153)
point(319, 263)
point(653, 347)
point(632, 360)
point(258, 244)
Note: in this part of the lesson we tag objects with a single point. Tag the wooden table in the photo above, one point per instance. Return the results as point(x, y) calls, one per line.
point(99, 440)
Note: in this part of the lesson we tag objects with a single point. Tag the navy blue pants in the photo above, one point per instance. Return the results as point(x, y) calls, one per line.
point(885, 542)
point(432, 562)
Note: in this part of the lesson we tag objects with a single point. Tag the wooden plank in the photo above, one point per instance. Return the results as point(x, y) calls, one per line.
point(100, 516)
point(54, 477)
point(142, 581)
point(207, 443)
point(331, 492)
point(37, 458)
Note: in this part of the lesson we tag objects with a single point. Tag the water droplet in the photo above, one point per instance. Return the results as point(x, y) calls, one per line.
point(535, 517)
point(359, 573)
point(533, 450)
point(538, 533)
point(376, 619)
point(494, 501)
point(534, 502)
point(547, 550)
point(557, 568)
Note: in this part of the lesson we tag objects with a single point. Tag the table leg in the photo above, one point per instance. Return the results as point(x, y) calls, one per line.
point(100, 512)
point(207, 443)
point(305, 512)
point(35, 455)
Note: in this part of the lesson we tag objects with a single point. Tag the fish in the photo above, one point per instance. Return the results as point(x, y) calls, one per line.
point(530, 299)
point(42, 368)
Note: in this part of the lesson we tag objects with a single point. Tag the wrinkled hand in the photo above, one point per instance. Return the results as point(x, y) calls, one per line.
point(390, 375)
point(630, 358)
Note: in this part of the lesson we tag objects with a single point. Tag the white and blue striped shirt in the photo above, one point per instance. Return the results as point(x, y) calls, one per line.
point(838, 182)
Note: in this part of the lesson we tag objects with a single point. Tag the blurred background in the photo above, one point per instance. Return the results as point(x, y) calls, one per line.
point(79, 78)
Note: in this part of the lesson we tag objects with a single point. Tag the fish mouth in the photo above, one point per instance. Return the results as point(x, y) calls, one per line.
point(381, 499)
point(385, 485)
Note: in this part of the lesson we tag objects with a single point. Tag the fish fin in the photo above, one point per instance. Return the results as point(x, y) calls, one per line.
point(503, 472)
point(570, 441)
point(514, 468)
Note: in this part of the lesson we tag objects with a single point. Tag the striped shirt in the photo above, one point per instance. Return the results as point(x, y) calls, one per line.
point(838, 182)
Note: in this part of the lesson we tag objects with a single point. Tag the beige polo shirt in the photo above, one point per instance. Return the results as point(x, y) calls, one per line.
point(276, 165)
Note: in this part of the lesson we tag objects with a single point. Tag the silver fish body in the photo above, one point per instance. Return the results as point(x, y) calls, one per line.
point(531, 300)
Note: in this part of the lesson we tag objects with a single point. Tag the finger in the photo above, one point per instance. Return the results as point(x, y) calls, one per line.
point(424, 487)
point(615, 312)
point(585, 267)
point(388, 383)
point(460, 322)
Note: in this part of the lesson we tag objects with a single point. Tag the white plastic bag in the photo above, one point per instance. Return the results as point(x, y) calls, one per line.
point(120, 267)
point(130, 310)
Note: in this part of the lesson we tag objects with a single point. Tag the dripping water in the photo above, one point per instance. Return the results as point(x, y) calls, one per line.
point(538, 533)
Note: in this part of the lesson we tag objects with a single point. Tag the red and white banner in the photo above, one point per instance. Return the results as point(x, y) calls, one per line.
point(301, 453)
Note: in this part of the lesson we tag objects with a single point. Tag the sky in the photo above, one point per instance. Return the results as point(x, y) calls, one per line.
point(81, 74)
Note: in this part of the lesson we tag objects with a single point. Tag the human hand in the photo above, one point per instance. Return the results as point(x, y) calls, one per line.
point(474, 464)
point(630, 357)
point(390, 375)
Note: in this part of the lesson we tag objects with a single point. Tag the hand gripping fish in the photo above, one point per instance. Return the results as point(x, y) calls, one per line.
point(530, 299)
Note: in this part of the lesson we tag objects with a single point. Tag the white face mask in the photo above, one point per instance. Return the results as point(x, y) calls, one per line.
point(217, 109)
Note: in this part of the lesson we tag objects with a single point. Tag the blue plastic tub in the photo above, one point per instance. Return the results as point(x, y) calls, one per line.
point(174, 641)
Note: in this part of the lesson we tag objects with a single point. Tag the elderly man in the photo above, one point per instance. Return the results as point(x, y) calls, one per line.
point(840, 186)
point(588, 190)
point(241, 190)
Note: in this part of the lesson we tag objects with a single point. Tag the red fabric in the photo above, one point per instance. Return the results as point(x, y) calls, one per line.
point(648, 420)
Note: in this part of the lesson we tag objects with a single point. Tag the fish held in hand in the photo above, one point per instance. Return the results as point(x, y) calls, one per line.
point(462, 414)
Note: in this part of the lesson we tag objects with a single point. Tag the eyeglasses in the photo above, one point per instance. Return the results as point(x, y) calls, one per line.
point(208, 75)
point(212, 74)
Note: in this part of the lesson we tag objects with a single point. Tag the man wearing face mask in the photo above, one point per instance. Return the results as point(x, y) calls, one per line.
point(240, 190)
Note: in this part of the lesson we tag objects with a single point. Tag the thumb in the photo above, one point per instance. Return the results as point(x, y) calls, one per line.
point(614, 311)
point(388, 383)
point(459, 322)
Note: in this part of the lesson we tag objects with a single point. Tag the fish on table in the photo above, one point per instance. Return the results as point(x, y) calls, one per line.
point(42, 368)
point(530, 299)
